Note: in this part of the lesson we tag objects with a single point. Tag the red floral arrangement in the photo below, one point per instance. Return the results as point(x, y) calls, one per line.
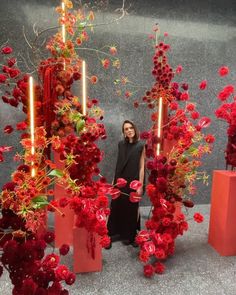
point(227, 112)
point(172, 172)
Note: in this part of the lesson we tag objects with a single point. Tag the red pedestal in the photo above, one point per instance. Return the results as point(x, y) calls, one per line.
point(87, 251)
point(63, 225)
point(222, 233)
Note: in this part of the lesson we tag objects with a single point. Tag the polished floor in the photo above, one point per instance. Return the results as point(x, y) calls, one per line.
point(195, 269)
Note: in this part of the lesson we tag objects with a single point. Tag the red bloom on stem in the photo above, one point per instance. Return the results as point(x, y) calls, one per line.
point(209, 138)
point(198, 217)
point(203, 85)
point(148, 270)
point(106, 63)
point(21, 126)
point(223, 71)
point(135, 185)
point(134, 197)
point(49, 237)
point(159, 267)
point(64, 249)
point(70, 279)
point(179, 69)
point(8, 129)
point(3, 78)
point(7, 50)
point(115, 193)
point(121, 182)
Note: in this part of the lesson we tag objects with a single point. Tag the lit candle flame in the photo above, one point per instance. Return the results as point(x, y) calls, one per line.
point(84, 101)
point(159, 126)
point(32, 126)
point(63, 25)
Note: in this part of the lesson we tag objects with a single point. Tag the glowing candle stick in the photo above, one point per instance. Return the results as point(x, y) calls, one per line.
point(84, 99)
point(32, 127)
point(159, 126)
point(63, 29)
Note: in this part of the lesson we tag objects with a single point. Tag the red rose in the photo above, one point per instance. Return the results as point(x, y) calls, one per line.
point(184, 96)
point(64, 249)
point(198, 217)
point(148, 270)
point(2, 78)
point(13, 72)
point(149, 247)
point(7, 50)
point(195, 115)
point(50, 261)
point(223, 71)
point(190, 107)
point(203, 85)
point(160, 254)
point(121, 182)
point(61, 272)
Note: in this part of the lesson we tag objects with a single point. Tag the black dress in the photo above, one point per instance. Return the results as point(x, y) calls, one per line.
point(124, 219)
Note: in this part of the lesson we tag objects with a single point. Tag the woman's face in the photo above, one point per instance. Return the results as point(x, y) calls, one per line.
point(129, 131)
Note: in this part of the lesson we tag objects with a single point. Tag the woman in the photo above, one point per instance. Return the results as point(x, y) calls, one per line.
point(124, 219)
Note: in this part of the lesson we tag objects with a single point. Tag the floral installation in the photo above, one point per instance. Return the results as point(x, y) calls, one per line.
point(63, 129)
point(227, 112)
point(173, 172)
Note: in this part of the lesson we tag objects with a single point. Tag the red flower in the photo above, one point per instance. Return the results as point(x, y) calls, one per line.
point(7, 50)
point(50, 261)
point(61, 272)
point(209, 138)
point(113, 50)
point(134, 197)
point(121, 182)
point(49, 237)
point(148, 270)
point(159, 267)
point(198, 217)
point(8, 129)
point(179, 69)
point(223, 71)
point(21, 126)
point(203, 85)
point(70, 279)
point(64, 249)
point(195, 115)
point(11, 61)
point(160, 254)
point(3, 78)
point(184, 96)
point(106, 63)
point(190, 107)
point(115, 193)
point(135, 185)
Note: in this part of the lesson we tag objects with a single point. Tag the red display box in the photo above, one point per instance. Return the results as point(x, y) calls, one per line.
point(222, 233)
point(63, 228)
point(87, 251)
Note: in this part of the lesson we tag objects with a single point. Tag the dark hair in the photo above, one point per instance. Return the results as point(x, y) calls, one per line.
point(136, 136)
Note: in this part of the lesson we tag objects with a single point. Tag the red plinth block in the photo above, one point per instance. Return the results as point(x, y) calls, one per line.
point(222, 233)
point(63, 223)
point(87, 251)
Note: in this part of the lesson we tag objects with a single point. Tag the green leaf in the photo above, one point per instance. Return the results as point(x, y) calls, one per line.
point(40, 201)
point(80, 125)
point(56, 172)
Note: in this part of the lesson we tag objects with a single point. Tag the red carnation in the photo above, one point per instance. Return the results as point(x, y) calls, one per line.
point(7, 50)
point(11, 61)
point(190, 107)
point(223, 71)
point(198, 217)
point(195, 115)
point(61, 272)
point(203, 85)
point(64, 249)
point(121, 182)
point(115, 193)
point(134, 197)
point(148, 270)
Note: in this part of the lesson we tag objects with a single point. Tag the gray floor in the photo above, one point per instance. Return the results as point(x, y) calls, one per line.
point(195, 269)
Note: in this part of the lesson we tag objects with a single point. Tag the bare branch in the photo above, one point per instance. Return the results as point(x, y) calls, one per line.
point(26, 39)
